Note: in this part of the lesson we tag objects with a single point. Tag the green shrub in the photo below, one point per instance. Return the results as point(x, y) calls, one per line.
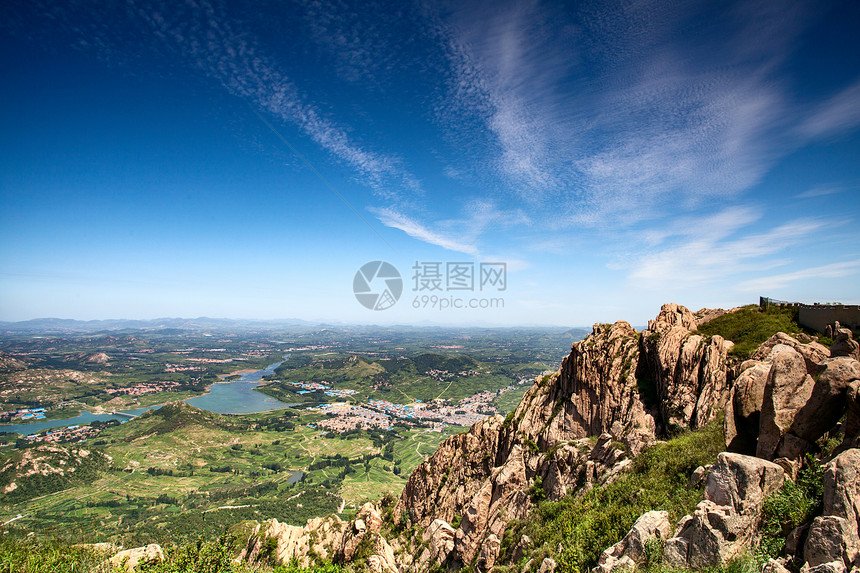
point(794, 504)
point(750, 326)
point(584, 525)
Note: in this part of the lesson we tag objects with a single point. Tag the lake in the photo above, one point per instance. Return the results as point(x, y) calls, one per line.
point(236, 397)
point(239, 396)
point(83, 418)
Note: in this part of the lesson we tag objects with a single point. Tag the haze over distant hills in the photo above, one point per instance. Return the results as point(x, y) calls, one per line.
point(207, 323)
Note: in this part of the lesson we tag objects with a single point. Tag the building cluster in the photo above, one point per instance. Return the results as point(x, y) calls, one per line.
point(144, 388)
point(68, 434)
point(24, 414)
point(343, 417)
point(308, 387)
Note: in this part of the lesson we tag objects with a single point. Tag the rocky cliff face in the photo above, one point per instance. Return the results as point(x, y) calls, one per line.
point(617, 391)
point(621, 386)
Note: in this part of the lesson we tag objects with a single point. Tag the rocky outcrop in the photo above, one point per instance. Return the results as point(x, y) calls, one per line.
point(788, 397)
point(812, 352)
point(129, 559)
point(688, 371)
point(845, 345)
point(725, 522)
point(630, 551)
point(621, 386)
point(743, 410)
point(617, 392)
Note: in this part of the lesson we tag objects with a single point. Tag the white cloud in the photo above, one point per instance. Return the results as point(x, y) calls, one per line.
point(775, 282)
point(480, 217)
point(206, 38)
point(839, 114)
point(714, 249)
point(391, 218)
point(820, 191)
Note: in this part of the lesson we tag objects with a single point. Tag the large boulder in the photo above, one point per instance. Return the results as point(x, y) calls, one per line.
point(831, 539)
point(824, 408)
point(742, 482)
point(743, 410)
point(842, 488)
point(129, 559)
point(724, 523)
point(845, 345)
point(651, 525)
point(812, 352)
point(787, 389)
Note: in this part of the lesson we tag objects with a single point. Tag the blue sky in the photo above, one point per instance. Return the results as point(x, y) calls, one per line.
point(244, 159)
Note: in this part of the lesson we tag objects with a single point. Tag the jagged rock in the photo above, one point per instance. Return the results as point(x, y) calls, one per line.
point(548, 565)
point(489, 552)
point(787, 389)
point(321, 536)
point(831, 567)
point(698, 476)
point(812, 353)
point(503, 497)
point(382, 560)
point(743, 410)
point(444, 485)
point(723, 524)
point(522, 548)
point(742, 482)
point(131, 558)
point(774, 566)
point(831, 539)
point(689, 374)
point(651, 525)
point(594, 388)
point(845, 345)
point(842, 488)
point(440, 536)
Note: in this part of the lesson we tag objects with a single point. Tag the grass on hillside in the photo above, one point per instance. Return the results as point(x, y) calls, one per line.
point(750, 326)
point(28, 556)
point(584, 525)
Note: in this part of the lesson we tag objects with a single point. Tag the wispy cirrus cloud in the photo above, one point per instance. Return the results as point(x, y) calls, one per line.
point(839, 114)
point(606, 111)
point(715, 248)
point(819, 191)
point(417, 230)
point(204, 35)
point(780, 281)
point(460, 234)
point(210, 41)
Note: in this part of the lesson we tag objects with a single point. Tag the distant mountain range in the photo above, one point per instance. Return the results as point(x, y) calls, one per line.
point(59, 325)
point(201, 323)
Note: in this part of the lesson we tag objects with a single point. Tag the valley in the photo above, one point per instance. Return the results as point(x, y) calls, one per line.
point(227, 426)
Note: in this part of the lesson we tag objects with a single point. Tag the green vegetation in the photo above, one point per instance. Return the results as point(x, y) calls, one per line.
point(28, 556)
point(795, 503)
point(750, 326)
point(584, 525)
point(180, 472)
